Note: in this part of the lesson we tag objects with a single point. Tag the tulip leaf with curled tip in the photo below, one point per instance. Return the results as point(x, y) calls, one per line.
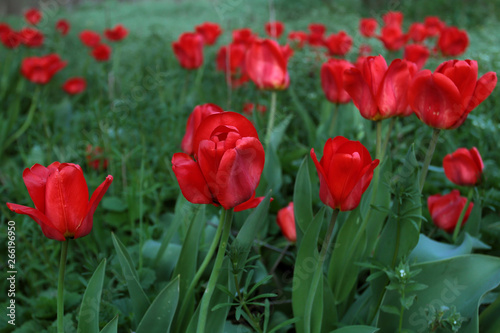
point(158, 318)
point(356, 329)
point(305, 264)
point(430, 250)
point(111, 327)
point(302, 199)
point(88, 319)
point(459, 283)
point(140, 301)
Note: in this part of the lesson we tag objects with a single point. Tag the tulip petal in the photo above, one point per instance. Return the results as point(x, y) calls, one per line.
point(354, 197)
point(343, 175)
point(360, 92)
point(35, 179)
point(391, 96)
point(331, 147)
point(477, 159)
point(48, 229)
point(191, 181)
point(324, 191)
point(484, 88)
point(249, 204)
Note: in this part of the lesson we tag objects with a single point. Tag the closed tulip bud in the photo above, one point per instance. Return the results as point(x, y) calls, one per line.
point(189, 50)
point(445, 210)
point(417, 32)
point(393, 18)
point(266, 65)
point(464, 167)
point(33, 16)
point(61, 197)
point(339, 44)
point(209, 31)
point(345, 172)
point(417, 53)
point(332, 82)
point(368, 27)
point(452, 41)
point(286, 222)
point(63, 27)
point(75, 85)
point(316, 36)
point(274, 29)
point(433, 25)
point(116, 34)
point(392, 37)
point(90, 38)
point(101, 52)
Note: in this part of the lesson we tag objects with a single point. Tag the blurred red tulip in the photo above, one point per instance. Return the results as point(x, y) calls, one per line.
point(417, 32)
point(317, 35)
point(464, 167)
point(63, 26)
point(41, 69)
point(332, 82)
point(446, 209)
point(9, 38)
point(445, 98)
point(116, 34)
point(75, 85)
point(298, 38)
point(364, 50)
point(345, 172)
point(90, 38)
point(287, 51)
point(209, 31)
point(433, 25)
point(368, 27)
point(101, 52)
point(248, 108)
point(33, 16)
point(229, 160)
point(393, 18)
point(378, 91)
point(243, 36)
point(339, 44)
point(95, 158)
point(266, 65)
point(61, 197)
point(286, 221)
point(196, 117)
point(452, 41)
point(417, 53)
point(31, 37)
point(393, 37)
point(234, 61)
point(274, 29)
point(189, 50)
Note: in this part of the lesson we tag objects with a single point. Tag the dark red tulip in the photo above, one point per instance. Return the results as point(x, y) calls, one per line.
point(189, 50)
point(116, 34)
point(378, 91)
point(33, 16)
point(248, 108)
point(317, 34)
point(445, 98)
point(434, 25)
point(464, 167)
point(338, 44)
point(417, 53)
point(266, 65)
point(209, 31)
point(345, 172)
point(298, 38)
point(95, 158)
point(196, 117)
point(286, 221)
point(90, 38)
point(446, 209)
point(274, 29)
point(31, 37)
point(452, 41)
point(63, 26)
point(9, 38)
point(244, 36)
point(229, 160)
point(234, 62)
point(61, 197)
point(368, 27)
point(332, 81)
point(101, 52)
point(392, 37)
point(417, 32)
point(41, 69)
point(393, 18)
point(75, 85)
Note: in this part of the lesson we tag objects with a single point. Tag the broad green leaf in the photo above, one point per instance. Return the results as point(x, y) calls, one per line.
point(140, 301)
point(158, 317)
point(489, 320)
point(458, 282)
point(430, 250)
point(88, 319)
point(168, 261)
point(356, 329)
point(111, 327)
point(272, 170)
point(302, 198)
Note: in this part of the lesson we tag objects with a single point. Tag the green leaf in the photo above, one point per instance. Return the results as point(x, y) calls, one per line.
point(356, 329)
point(390, 309)
point(140, 301)
point(489, 320)
point(88, 319)
point(158, 317)
point(460, 282)
point(304, 115)
point(428, 249)
point(112, 326)
point(302, 198)
point(473, 224)
point(114, 204)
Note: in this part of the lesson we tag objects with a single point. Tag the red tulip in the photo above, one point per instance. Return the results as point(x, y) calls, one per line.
point(345, 172)
point(368, 26)
point(445, 210)
point(90, 38)
point(332, 81)
point(61, 197)
point(248, 108)
point(41, 69)
point(31, 37)
point(199, 114)
point(95, 158)
point(189, 50)
point(316, 37)
point(434, 25)
point(266, 65)
point(243, 36)
point(339, 44)
point(287, 51)
point(445, 98)
point(464, 167)
point(378, 91)
point(75, 85)
point(417, 32)
point(393, 37)
point(234, 61)
point(286, 222)
point(274, 29)
point(116, 34)
point(229, 160)
point(9, 38)
point(452, 41)
point(393, 18)
point(33, 16)
point(209, 31)
point(417, 53)
point(63, 26)
point(298, 38)
point(101, 52)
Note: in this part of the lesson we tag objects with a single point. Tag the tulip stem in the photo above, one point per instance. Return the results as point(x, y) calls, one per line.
point(378, 151)
point(388, 135)
point(428, 157)
point(205, 301)
point(319, 269)
point(60, 287)
point(462, 215)
point(334, 120)
point(270, 122)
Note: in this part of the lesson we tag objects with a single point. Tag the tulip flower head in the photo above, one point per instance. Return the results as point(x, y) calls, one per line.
point(101, 52)
point(90, 38)
point(286, 221)
point(209, 31)
point(417, 53)
point(332, 82)
point(338, 44)
point(298, 38)
point(368, 27)
point(40, 70)
point(266, 65)
point(464, 167)
point(75, 85)
point(63, 26)
point(31, 37)
point(189, 50)
point(452, 41)
point(9, 38)
point(196, 117)
point(116, 34)
point(445, 210)
point(274, 29)
point(33, 16)
point(61, 197)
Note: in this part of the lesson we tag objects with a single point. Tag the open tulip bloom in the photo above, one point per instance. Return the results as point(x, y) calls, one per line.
point(464, 167)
